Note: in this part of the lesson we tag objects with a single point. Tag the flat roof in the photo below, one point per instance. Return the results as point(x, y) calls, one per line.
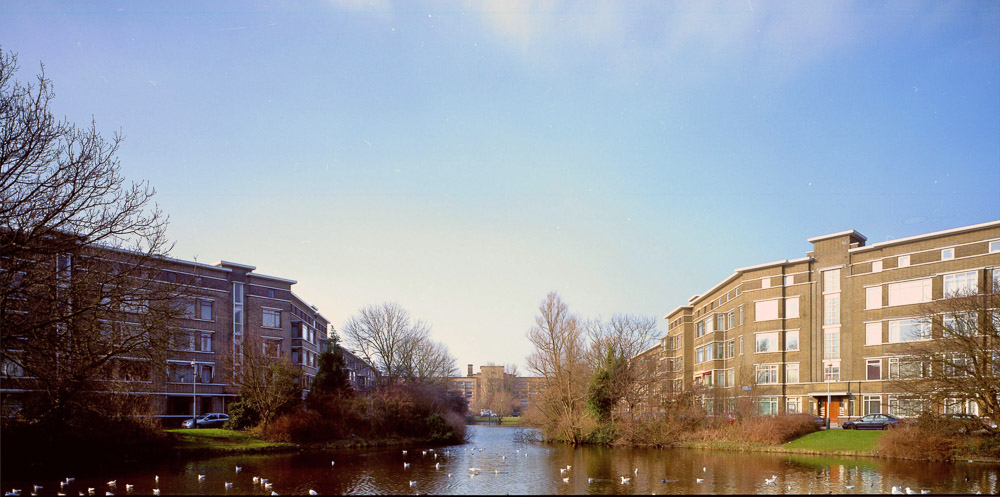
point(234, 264)
point(834, 235)
point(273, 278)
point(914, 238)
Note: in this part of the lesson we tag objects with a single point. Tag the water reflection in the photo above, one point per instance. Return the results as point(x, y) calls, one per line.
point(494, 463)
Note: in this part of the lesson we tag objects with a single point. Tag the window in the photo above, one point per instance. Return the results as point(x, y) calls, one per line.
point(295, 356)
point(831, 343)
point(730, 377)
point(831, 281)
point(767, 374)
point(873, 333)
point(741, 310)
point(960, 284)
point(767, 342)
point(720, 350)
point(910, 292)
point(831, 371)
point(700, 329)
point(709, 325)
point(272, 318)
point(792, 340)
point(909, 330)
point(789, 280)
point(206, 342)
point(791, 307)
point(903, 261)
point(791, 373)
point(206, 374)
point(720, 322)
point(872, 404)
point(205, 310)
point(873, 297)
point(947, 254)
point(793, 405)
point(732, 319)
point(272, 348)
point(731, 348)
point(877, 266)
point(766, 310)
point(904, 368)
point(960, 324)
point(765, 283)
point(873, 369)
point(907, 407)
point(270, 292)
point(994, 246)
point(831, 309)
point(699, 355)
point(768, 406)
point(741, 345)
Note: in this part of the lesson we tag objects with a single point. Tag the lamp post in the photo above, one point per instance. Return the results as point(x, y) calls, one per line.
point(828, 399)
point(194, 391)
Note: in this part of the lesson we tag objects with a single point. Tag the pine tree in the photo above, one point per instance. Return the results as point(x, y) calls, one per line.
point(331, 377)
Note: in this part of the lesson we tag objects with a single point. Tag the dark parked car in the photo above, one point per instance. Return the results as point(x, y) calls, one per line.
point(211, 420)
point(873, 422)
point(970, 423)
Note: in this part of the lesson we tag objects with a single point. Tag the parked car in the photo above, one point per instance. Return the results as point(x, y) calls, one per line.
point(210, 420)
point(820, 420)
point(873, 422)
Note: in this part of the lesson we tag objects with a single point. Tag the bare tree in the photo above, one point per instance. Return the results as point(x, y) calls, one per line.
point(267, 380)
point(384, 337)
point(560, 356)
point(961, 362)
point(615, 349)
point(427, 360)
point(79, 298)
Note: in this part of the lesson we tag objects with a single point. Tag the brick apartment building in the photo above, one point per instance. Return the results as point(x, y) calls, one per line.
point(476, 387)
point(224, 305)
point(837, 324)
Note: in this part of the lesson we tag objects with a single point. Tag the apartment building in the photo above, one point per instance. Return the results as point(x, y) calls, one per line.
point(224, 305)
point(828, 332)
point(478, 387)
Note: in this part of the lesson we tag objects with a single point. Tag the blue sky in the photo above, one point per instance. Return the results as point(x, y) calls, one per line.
point(466, 158)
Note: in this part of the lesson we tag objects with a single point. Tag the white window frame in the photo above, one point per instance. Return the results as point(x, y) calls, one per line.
point(831, 309)
point(793, 405)
point(948, 254)
point(870, 362)
point(873, 333)
point(788, 334)
point(896, 330)
point(877, 266)
point(264, 321)
point(831, 342)
point(994, 246)
point(765, 283)
point(869, 401)
point(789, 369)
point(791, 307)
point(903, 261)
point(767, 337)
point(789, 279)
point(873, 297)
point(766, 374)
point(831, 281)
point(763, 310)
point(961, 283)
point(904, 292)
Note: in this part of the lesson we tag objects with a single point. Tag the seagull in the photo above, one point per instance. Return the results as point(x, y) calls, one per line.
point(68, 479)
point(449, 475)
point(590, 480)
point(406, 465)
point(704, 469)
point(435, 456)
point(273, 492)
point(404, 452)
point(562, 470)
point(63, 484)
point(475, 469)
point(771, 480)
point(333, 463)
point(413, 483)
point(229, 485)
point(849, 487)
point(256, 479)
point(910, 491)
point(90, 490)
point(155, 478)
point(201, 477)
point(37, 488)
point(568, 467)
point(566, 480)
point(312, 492)
point(268, 486)
point(424, 454)
point(129, 487)
point(637, 471)
point(112, 483)
point(108, 493)
point(897, 490)
point(925, 492)
point(156, 491)
point(625, 480)
point(239, 468)
point(437, 466)
point(699, 480)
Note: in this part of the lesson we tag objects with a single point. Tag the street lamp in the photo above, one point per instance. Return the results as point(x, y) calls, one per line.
point(829, 374)
point(194, 391)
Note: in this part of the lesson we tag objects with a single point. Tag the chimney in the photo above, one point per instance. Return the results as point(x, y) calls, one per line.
point(470, 370)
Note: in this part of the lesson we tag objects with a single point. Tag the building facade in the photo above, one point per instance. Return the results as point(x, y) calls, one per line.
point(479, 389)
point(825, 333)
point(224, 306)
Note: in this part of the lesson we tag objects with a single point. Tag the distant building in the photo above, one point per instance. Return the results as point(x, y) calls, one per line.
point(476, 387)
point(788, 335)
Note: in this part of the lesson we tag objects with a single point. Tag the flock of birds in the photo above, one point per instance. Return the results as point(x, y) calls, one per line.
point(265, 484)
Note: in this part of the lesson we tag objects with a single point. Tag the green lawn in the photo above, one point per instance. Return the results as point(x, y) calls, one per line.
point(220, 440)
point(509, 420)
point(837, 440)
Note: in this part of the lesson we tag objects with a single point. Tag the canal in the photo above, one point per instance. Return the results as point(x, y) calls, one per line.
point(496, 462)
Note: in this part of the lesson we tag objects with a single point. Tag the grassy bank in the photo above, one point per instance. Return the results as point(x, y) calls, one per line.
point(513, 421)
point(837, 441)
point(219, 440)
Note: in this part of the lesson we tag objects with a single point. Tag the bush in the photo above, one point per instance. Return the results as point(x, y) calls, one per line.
point(768, 430)
point(298, 427)
point(241, 416)
point(916, 442)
